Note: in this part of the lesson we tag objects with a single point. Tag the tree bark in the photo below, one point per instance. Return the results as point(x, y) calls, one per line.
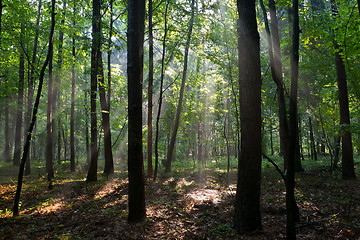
point(49, 122)
point(95, 50)
point(20, 102)
point(72, 107)
point(171, 147)
point(105, 101)
point(31, 84)
point(161, 92)
point(247, 200)
point(150, 93)
point(348, 171)
point(7, 156)
point(292, 215)
point(34, 114)
point(135, 58)
point(312, 140)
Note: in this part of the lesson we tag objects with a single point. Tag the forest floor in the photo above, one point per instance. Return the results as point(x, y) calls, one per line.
point(189, 204)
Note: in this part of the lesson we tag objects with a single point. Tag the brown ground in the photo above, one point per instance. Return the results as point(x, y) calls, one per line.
point(189, 205)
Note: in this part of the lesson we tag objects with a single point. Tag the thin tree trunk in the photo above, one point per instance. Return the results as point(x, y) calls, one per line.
point(156, 150)
point(7, 156)
point(109, 162)
point(56, 91)
point(95, 50)
point(20, 102)
point(247, 216)
point(171, 147)
point(72, 108)
point(312, 141)
point(88, 156)
point(135, 58)
point(49, 123)
point(34, 115)
point(150, 93)
point(31, 83)
point(336, 151)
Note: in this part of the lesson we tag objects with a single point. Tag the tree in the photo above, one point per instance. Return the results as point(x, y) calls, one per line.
point(247, 201)
point(150, 92)
point(49, 122)
point(291, 207)
point(31, 83)
point(34, 114)
point(348, 171)
point(20, 100)
point(96, 69)
point(135, 51)
point(72, 108)
point(156, 150)
point(171, 147)
point(109, 162)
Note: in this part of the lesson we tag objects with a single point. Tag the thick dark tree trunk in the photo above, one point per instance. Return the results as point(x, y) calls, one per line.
point(95, 50)
point(135, 61)
point(247, 201)
point(34, 114)
point(72, 107)
point(348, 171)
point(150, 94)
point(292, 213)
point(171, 147)
point(156, 150)
point(20, 102)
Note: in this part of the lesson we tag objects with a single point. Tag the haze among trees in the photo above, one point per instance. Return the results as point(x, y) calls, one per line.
point(196, 119)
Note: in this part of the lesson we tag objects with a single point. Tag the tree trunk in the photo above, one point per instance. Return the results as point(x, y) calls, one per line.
point(292, 215)
point(150, 93)
point(247, 201)
point(49, 123)
point(88, 150)
point(20, 102)
point(336, 151)
point(72, 107)
point(95, 50)
point(135, 58)
point(312, 141)
point(7, 156)
point(34, 114)
point(276, 73)
point(348, 171)
point(161, 92)
point(171, 147)
point(31, 84)
point(109, 162)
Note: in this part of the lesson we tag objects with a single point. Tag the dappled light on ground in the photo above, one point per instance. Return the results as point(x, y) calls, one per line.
point(188, 205)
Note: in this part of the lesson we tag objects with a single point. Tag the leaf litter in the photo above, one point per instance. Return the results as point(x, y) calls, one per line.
point(196, 205)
